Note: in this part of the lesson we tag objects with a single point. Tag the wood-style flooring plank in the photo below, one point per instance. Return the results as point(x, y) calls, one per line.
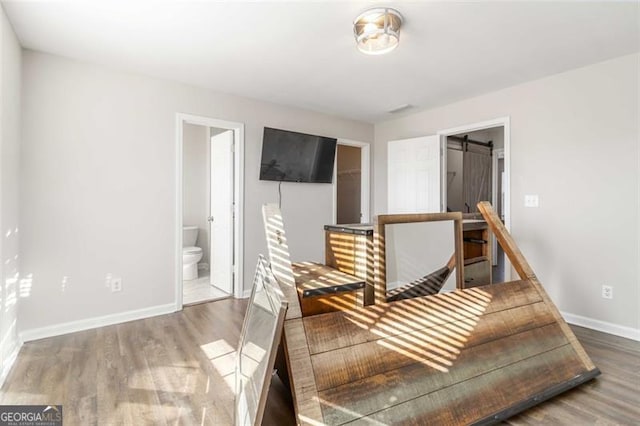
point(612, 398)
point(171, 370)
point(153, 371)
point(80, 380)
point(144, 398)
point(112, 379)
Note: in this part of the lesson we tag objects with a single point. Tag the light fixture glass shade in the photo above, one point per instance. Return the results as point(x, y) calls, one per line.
point(377, 31)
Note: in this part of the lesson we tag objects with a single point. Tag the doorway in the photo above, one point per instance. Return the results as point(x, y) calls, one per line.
point(208, 210)
point(351, 183)
point(470, 168)
point(475, 168)
point(473, 176)
point(418, 181)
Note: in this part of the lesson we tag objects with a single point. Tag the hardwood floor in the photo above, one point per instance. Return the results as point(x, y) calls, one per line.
point(612, 398)
point(177, 369)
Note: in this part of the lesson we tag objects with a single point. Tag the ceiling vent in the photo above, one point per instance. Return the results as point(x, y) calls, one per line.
point(400, 108)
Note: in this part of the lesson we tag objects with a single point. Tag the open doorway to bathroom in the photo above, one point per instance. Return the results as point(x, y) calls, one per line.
point(208, 251)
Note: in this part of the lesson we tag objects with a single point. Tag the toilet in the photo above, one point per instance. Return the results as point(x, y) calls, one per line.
point(191, 254)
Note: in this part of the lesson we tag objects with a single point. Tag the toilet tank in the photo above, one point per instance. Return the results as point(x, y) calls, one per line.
point(189, 236)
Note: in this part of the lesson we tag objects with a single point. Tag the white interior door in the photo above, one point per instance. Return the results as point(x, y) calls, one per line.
point(221, 218)
point(414, 175)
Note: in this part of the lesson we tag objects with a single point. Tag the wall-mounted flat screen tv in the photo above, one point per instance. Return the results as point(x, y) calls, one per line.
point(296, 157)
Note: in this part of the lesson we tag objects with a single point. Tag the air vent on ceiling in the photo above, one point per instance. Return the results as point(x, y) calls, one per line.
point(400, 108)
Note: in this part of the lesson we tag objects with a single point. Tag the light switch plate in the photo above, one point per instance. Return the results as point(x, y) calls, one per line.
point(531, 200)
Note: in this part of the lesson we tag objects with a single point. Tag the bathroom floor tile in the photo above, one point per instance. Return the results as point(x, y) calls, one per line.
point(199, 290)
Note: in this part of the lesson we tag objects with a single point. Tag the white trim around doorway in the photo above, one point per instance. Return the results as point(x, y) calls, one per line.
point(504, 122)
point(238, 196)
point(365, 185)
point(498, 154)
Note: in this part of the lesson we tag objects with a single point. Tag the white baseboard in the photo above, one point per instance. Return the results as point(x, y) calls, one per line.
point(246, 294)
point(11, 359)
point(86, 324)
point(605, 327)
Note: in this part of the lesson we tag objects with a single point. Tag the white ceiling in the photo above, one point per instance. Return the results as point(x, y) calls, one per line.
point(303, 53)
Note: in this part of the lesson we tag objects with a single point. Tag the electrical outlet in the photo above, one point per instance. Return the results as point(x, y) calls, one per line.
point(531, 201)
point(607, 292)
point(116, 284)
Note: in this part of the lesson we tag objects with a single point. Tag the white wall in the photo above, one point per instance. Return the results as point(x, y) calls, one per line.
point(196, 184)
point(98, 175)
point(574, 142)
point(10, 67)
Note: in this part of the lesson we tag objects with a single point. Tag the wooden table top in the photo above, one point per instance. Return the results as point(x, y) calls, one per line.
point(452, 358)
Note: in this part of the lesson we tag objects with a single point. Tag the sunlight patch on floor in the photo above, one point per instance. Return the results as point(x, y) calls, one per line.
point(223, 358)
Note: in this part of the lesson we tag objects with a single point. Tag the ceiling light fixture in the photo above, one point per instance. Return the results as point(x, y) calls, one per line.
point(377, 31)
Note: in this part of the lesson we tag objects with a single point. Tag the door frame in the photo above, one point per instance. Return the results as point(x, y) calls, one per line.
point(365, 179)
point(505, 122)
point(238, 198)
point(497, 155)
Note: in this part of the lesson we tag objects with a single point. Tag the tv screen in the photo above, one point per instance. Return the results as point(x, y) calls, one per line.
point(296, 157)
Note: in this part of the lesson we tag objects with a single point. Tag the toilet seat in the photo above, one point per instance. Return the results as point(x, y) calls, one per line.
point(191, 250)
